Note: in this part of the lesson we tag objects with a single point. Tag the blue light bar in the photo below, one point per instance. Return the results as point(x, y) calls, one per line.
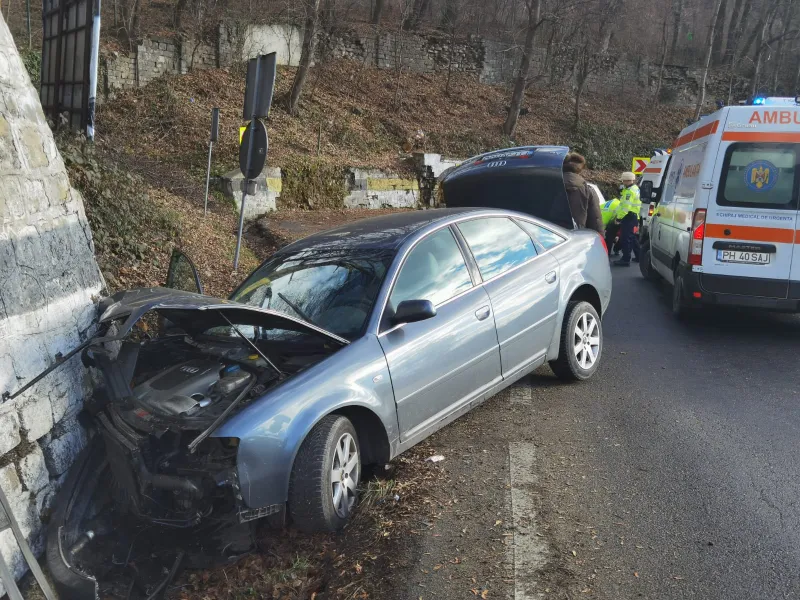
point(759, 101)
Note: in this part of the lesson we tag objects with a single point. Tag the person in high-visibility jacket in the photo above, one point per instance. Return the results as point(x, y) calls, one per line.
point(628, 216)
point(609, 213)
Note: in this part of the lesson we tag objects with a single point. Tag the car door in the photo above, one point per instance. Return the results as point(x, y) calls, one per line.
point(441, 364)
point(522, 286)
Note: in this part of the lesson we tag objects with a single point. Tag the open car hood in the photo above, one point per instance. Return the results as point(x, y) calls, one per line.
point(196, 312)
point(528, 179)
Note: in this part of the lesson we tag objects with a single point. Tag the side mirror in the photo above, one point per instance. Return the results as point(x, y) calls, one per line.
point(411, 311)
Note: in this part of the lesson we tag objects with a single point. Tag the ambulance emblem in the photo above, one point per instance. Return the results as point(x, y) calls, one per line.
point(760, 176)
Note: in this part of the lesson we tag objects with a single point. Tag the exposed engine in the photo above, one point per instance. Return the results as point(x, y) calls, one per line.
point(166, 468)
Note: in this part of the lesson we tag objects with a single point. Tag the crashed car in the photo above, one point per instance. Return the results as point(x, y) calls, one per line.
point(343, 349)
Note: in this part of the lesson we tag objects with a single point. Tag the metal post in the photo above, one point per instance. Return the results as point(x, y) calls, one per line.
point(250, 142)
point(208, 177)
point(93, 60)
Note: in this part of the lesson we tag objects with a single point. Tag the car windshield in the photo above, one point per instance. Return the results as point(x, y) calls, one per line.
point(334, 290)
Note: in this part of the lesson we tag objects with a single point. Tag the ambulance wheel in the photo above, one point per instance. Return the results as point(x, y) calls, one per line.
point(680, 306)
point(646, 267)
point(581, 343)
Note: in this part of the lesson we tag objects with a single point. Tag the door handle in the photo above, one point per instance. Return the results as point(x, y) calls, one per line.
point(482, 313)
point(550, 277)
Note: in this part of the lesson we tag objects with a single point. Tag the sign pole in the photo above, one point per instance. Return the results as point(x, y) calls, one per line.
point(211, 140)
point(208, 178)
point(93, 62)
point(253, 120)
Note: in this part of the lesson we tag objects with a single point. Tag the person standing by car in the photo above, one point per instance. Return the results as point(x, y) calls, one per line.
point(628, 216)
point(583, 205)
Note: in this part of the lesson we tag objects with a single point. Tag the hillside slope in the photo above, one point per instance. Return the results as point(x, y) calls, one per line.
point(360, 116)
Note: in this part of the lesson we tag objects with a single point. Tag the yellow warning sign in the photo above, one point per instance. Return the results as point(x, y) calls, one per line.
point(639, 164)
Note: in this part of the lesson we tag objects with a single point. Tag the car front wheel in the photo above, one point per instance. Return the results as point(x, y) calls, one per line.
point(325, 476)
point(581, 343)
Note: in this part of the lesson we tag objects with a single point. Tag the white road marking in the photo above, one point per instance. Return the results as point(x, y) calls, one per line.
point(530, 550)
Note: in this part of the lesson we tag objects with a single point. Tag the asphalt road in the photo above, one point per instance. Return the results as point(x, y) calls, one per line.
point(673, 473)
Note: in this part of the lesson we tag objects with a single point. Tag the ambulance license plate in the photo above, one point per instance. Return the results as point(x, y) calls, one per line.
point(740, 256)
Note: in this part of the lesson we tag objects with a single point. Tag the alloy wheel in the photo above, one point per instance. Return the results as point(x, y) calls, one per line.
point(586, 340)
point(344, 475)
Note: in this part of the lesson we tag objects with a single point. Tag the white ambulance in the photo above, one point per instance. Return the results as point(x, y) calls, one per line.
point(651, 190)
point(725, 230)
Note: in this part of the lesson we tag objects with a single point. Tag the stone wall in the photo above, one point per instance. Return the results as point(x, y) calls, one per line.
point(494, 62)
point(48, 283)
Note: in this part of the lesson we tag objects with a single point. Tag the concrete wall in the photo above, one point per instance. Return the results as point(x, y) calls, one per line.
point(285, 40)
point(371, 188)
point(48, 282)
point(268, 189)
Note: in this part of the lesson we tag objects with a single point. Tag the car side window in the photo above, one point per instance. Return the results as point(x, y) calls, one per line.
point(498, 244)
point(434, 270)
point(544, 237)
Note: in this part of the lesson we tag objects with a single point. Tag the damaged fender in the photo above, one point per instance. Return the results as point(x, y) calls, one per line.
point(276, 425)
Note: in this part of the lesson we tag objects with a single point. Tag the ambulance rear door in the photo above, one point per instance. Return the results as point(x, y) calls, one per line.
point(752, 210)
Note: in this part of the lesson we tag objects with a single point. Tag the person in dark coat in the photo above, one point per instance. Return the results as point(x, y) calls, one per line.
point(582, 203)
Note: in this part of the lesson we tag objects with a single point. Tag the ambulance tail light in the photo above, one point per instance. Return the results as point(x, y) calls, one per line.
point(698, 234)
point(652, 209)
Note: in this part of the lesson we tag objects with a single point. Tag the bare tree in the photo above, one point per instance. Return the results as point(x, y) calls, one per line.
point(588, 61)
point(306, 54)
point(663, 58)
point(717, 49)
point(677, 21)
point(377, 12)
point(534, 12)
point(701, 97)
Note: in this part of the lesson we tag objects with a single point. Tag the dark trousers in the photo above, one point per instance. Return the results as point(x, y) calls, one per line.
point(612, 232)
point(628, 238)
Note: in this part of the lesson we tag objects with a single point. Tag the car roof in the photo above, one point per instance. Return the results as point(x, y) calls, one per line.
point(386, 232)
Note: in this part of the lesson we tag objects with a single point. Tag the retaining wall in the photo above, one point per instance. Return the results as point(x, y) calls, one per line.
point(48, 284)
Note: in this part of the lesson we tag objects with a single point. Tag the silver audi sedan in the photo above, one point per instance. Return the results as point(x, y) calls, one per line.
point(343, 349)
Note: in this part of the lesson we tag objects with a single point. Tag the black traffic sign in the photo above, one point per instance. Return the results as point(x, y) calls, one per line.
point(258, 156)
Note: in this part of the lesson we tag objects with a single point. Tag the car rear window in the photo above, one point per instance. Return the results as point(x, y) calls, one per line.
point(544, 237)
point(498, 244)
point(759, 176)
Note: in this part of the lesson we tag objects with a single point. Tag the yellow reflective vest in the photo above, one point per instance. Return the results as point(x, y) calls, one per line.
point(629, 201)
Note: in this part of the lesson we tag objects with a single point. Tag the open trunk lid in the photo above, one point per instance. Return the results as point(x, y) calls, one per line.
point(528, 179)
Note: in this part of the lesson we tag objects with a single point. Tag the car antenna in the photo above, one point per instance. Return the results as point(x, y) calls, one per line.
point(252, 345)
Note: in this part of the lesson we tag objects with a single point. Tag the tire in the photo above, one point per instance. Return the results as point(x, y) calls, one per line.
point(646, 267)
point(680, 307)
point(312, 487)
point(573, 362)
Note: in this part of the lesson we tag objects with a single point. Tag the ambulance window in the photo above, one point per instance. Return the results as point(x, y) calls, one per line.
point(646, 191)
point(759, 176)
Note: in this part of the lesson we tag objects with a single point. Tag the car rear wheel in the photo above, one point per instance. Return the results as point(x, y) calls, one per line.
point(680, 306)
point(325, 476)
point(646, 267)
point(581, 343)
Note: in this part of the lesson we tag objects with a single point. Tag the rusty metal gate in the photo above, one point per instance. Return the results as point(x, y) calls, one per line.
point(67, 35)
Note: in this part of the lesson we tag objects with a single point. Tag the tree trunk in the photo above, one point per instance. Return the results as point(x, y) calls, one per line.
point(578, 94)
point(510, 125)
point(677, 13)
point(709, 47)
point(719, 40)
point(306, 54)
point(734, 33)
point(757, 60)
point(663, 59)
point(752, 37)
point(788, 17)
point(377, 12)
